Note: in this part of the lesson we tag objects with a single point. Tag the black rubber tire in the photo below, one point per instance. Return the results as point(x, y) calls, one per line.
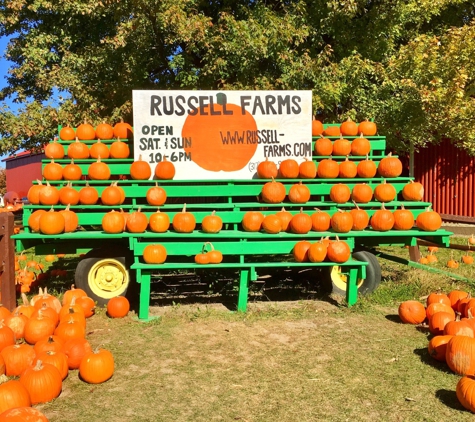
point(85, 265)
point(369, 284)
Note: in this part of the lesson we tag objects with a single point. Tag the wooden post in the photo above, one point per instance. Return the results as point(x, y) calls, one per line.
point(7, 261)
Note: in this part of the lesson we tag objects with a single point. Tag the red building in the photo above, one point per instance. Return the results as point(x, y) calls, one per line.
point(21, 170)
point(448, 176)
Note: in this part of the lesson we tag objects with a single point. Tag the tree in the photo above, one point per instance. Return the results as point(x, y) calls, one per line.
point(407, 64)
point(3, 181)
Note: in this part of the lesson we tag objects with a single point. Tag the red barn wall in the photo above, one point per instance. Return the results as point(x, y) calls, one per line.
point(447, 174)
point(21, 170)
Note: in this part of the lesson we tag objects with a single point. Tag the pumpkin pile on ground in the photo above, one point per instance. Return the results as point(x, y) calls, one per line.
point(451, 323)
point(41, 342)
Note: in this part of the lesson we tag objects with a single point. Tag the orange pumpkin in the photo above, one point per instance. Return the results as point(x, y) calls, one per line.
point(323, 147)
point(349, 128)
point(289, 169)
point(328, 169)
point(85, 131)
point(390, 166)
point(267, 169)
point(299, 193)
point(360, 146)
point(341, 221)
point(273, 192)
point(67, 133)
point(184, 221)
point(317, 127)
point(165, 170)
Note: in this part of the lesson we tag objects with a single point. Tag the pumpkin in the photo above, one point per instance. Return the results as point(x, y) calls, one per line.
point(338, 251)
point(349, 128)
point(437, 347)
point(75, 350)
point(104, 131)
point(87, 304)
point(51, 222)
point(341, 147)
point(118, 307)
point(403, 219)
point(385, 192)
point(413, 191)
point(12, 395)
point(206, 130)
point(49, 195)
point(252, 221)
point(49, 344)
point(17, 358)
point(154, 254)
point(458, 327)
point(332, 131)
point(23, 414)
point(68, 195)
point(317, 127)
point(267, 169)
point(88, 195)
point(323, 147)
point(273, 192)
point(360, 146)
point(78, 150)
point(156, 195)
point(53, 171)
point(70, 329)
point(328, 169)
point(56, 358)
point(438, 321)
point(366, 169)
point(300, 251)
point(347, 169)
point(429, 220)
point(321, 221)
point(212, 223)
point(67, 133)
point(72, 293)
point(317, 252)
point(71, 220)
point(382, 220)
point(43, 381)
point(136, 222)
point(113, 222)
point(46, 311)
point(38, 327)
point(140, 170)
point(289, 169)
point(464, 392)
point(361, 193)
point(299, 193)
point(437, 297)
point(272, 224)
point(367, 128)
point(34, 220)
point(7, 336)
point(184, 221)
point(460, 355)
point(300, 223)
point(439, 307)
point(99, 170)
point(85, 131)
point(451, 263)
point(307, 169)
point(202, 258)
point(340, 193)
point(123, 130)
point(215, 257)
point(341, 221)
point(412, 312)
point(99, 149)
point(455, 296)
point(360, 218)
point(390, 166)
point(285, 217)
point(97, 366)
point(119, 149)
point(54, 150)
point(165, 170)
point(467, 259)
point(33, 194)
point(159, 222)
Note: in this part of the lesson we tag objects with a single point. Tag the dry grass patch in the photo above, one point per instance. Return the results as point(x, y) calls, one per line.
point(304, 361)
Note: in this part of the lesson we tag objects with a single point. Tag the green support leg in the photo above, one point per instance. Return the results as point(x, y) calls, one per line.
point(352, 287)
point(243, 291)
point(144, 303)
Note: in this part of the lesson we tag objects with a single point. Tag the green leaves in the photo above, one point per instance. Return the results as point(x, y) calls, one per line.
point(408, 65)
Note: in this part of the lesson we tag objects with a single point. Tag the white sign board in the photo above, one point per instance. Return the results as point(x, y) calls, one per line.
point(221, 134)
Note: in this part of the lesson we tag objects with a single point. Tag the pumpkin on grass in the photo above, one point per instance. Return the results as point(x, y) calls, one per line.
point(118, 307)
point(13, 394)
point(412, 312)
point(464, 391)
point(97, 366)
point(43, 381)
point(437, 347)
point(460, 355)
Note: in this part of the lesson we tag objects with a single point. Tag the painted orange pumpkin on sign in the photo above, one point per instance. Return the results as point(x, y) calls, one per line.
point(221, 141)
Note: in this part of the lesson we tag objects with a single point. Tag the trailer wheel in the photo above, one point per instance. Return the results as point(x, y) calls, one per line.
point(334, 280)
point(102, 278)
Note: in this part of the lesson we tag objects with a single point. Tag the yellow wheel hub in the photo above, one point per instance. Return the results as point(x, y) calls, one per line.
point(340, 280)
point(108, 278)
